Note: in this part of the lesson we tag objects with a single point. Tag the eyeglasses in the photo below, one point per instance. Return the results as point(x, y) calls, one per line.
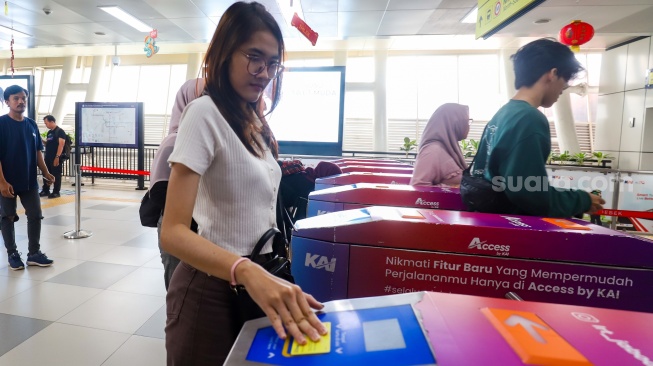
point(471, 120)
point(566, 83)
point(256, 65)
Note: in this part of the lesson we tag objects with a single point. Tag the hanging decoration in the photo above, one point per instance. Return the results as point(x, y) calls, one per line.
point(301, 25)
point(6, 8)
point(12, 56)
point(576, 34)
point(150, 43)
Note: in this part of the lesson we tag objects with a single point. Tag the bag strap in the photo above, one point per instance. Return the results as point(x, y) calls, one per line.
point(469, 167)
point(264, 239)
point(285, 225)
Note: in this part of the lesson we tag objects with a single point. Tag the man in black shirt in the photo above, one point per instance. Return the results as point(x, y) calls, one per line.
point(20, 155)
point(54, 145)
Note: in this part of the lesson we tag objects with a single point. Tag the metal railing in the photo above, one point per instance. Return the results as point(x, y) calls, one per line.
point(110, 157)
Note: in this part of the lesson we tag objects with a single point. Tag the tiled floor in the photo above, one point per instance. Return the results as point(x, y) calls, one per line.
point(103, 300)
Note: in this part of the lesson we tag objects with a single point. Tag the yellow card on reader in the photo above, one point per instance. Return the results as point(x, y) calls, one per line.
point(310, 348)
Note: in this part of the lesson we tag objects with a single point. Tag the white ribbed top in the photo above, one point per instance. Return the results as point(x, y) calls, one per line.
point(237, 195)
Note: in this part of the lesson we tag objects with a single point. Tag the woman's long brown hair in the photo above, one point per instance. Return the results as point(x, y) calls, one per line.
point(237, 25)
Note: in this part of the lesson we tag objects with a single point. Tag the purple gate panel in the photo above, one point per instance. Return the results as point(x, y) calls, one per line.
point(526, 237)
point(398, 195)
point(320, 268)
point(377, 271)
point(362, 177)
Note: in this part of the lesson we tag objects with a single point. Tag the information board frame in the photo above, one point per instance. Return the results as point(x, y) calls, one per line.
point(6, 81)
point(82, 125)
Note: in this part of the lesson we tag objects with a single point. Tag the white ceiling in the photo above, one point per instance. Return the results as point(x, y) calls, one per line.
point(187, 25)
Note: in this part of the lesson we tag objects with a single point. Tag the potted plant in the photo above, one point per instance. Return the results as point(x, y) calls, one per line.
point(408, 145)
point(553, 157)
point(600, 156)
point(465, 148)
point(473, 146)
point(469, 147)
point(579, 158)
point(563, 157)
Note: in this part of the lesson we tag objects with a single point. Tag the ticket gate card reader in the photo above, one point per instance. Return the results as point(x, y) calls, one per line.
point(374, 163)
point(361, 177)
point(364, 160)
point(379, 331)
point(430, 328)
point(376, 169)
point(366, 194)
point(390, 250)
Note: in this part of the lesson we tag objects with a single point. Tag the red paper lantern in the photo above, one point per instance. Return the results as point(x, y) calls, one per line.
point(576, 34)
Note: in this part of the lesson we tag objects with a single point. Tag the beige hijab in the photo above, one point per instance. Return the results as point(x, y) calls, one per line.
point(448, 125)
point(189, 91)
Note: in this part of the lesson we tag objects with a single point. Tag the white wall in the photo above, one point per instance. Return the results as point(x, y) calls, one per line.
point(622, 119)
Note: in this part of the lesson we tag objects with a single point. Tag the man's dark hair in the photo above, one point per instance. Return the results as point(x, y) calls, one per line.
point(539, 57)
point(50, 118)
point(14, 89)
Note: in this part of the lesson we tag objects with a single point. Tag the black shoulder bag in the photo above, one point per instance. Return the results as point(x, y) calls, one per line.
point(149, 212)
point(278, 265)
point(478, 194)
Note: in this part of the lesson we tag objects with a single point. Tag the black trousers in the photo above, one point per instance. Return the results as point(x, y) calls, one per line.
point(56, 171)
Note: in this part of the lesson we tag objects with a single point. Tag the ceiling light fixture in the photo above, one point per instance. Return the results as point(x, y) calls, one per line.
point(289, 7)
point(15, 33)
point(125, 17)
point(542, 21)
point(471, 16)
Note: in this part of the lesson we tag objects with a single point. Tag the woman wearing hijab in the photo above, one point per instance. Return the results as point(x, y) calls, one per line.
point(439, 158)
point(160, 171)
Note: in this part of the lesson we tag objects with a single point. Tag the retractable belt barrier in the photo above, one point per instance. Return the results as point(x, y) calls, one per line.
point(113, 170)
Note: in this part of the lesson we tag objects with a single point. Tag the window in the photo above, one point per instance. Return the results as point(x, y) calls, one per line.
point(436, 84)
point(360, 70)
point(177, 78)
point(418, 85)
point(123, 83)
point(71, 98)
point(358, 134)
point(478, 80)
point(152, 87)
point(308, 62)
point(49, 88)
point(401, 88)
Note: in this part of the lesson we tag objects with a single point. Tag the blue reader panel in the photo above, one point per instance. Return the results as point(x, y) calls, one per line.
point(379, 336)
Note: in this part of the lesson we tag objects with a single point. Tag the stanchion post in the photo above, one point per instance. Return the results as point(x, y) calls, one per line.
point(615, 199)
point(78, 233)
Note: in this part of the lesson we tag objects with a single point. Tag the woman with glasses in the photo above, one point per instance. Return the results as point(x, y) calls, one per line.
point(440, 160)
point(225, 176)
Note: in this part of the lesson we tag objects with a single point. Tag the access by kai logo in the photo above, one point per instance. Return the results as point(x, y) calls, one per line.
point(432, 204)
point(515, 221)
point(320, 262)
point(476, 243)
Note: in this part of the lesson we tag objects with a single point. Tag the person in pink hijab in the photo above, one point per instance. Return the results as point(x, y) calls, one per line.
point(439, 158)
point(160, 171)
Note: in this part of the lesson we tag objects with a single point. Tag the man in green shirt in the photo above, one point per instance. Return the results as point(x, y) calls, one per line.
point(514, 148)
